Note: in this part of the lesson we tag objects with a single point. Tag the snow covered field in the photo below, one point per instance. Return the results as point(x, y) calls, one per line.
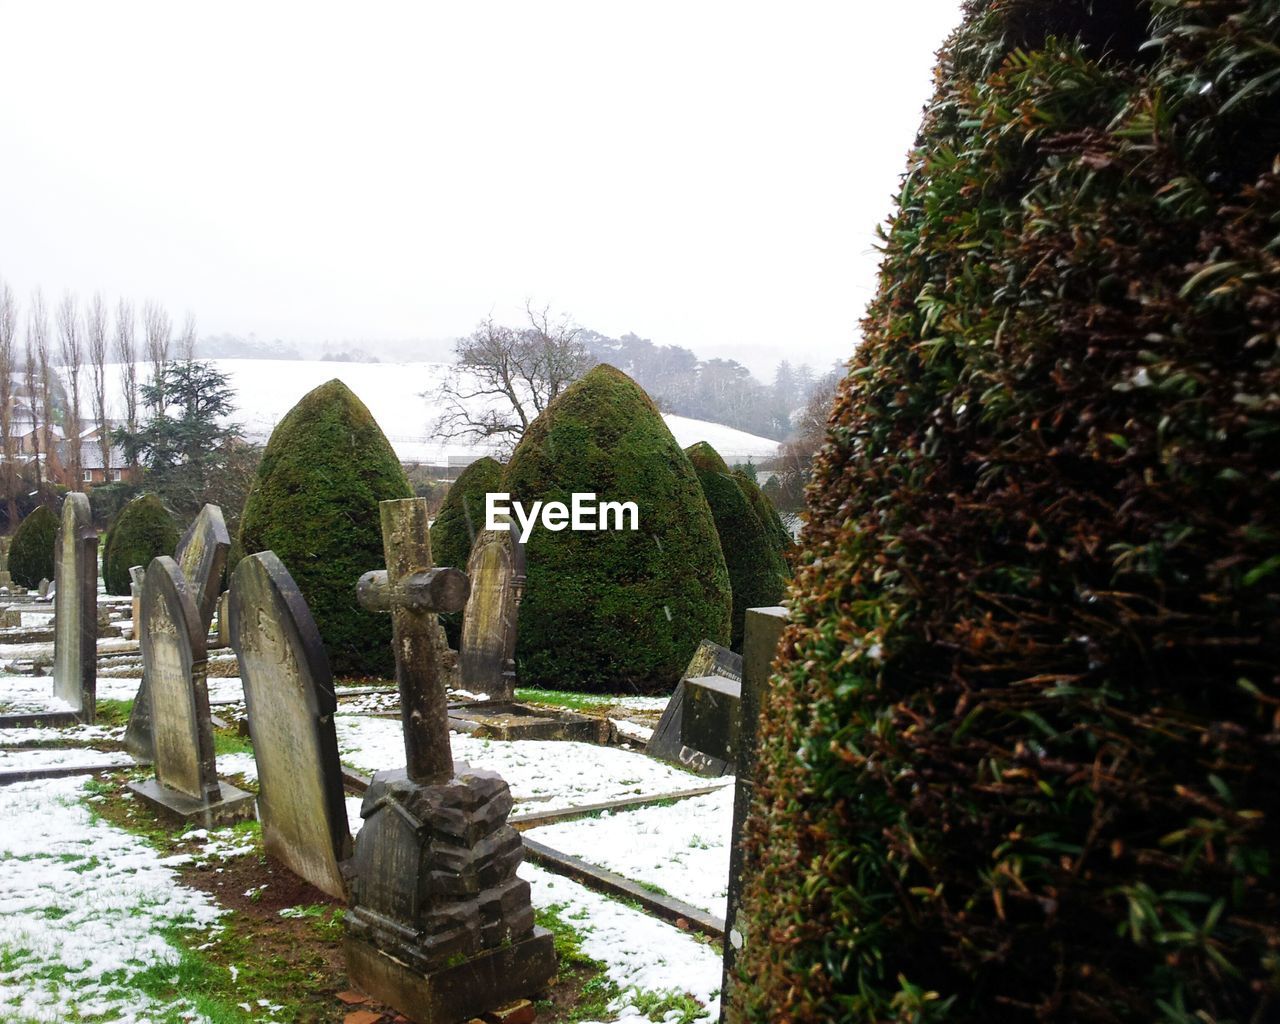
point(267, 389)
point(85, 906)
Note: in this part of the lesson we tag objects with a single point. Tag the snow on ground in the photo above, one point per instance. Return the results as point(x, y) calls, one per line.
point(85, 734)
point(82, 907)
point(640, 951)
point(682, 848)
point(24, 760)
point(557, 773)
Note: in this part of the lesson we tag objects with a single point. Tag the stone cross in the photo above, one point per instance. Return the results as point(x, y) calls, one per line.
point(486, 653)
point(288, 689)
point(75, 609)
point(414, 591)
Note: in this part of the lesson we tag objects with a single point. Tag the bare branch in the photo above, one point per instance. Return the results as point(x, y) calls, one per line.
point(71, 352)
point(96, 328)
point(127, 354)
point(8, 369)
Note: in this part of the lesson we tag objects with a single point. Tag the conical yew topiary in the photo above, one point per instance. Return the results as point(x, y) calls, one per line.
point(315, 504)
point(31, 550)
point(757, 575)
point(142, 530)
point(459, 521)
point(1019, 759)
point(779, 535)
point(615, 609)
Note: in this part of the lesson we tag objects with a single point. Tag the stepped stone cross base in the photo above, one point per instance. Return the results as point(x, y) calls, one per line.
point(440, 926)
point(230, 807)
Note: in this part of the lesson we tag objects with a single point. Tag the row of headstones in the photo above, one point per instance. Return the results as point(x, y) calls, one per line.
point(439, 922)
point(486, 659)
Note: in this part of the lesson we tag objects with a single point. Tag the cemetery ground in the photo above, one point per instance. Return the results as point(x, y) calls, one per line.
point(108, 915)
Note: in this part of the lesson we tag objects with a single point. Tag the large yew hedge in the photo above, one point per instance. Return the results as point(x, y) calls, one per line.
point(1021, 758)
point(458, 523)
point(31, 550)
point(757, 574)
point(315, 504)
point(619, 609)
point(142, 530)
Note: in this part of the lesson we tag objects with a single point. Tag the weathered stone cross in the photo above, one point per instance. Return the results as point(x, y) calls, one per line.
point(413, 590)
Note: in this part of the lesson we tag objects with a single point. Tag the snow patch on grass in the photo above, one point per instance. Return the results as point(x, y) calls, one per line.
point(82, 905)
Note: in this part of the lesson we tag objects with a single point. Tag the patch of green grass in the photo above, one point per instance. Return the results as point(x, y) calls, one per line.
point(564, 699)
point(112, 712)
point(657, 890)
point(225, 741)
point(656, 1005)
point(597, 991)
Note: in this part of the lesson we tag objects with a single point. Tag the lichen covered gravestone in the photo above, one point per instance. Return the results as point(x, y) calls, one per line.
point(486, 656)
point(440, 927)
point(288, 689)
point(75, 637)
point(201, 555)
point(186, 787)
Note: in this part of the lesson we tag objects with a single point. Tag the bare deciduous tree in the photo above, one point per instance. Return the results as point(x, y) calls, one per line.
point(96, 330)
point(40, 390)
point(8, 369)
point(187, 339)
point(71, 352)
point(506, 376)
point(157, 327)
point(127, 353)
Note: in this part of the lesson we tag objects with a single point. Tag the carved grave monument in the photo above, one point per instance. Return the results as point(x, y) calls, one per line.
point(186, 787)
point(75, 609)
point(486, 653)
point(440, 927)
point(201, 555)
point(289, 692)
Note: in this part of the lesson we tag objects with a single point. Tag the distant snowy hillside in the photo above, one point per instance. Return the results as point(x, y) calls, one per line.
point(267, 389)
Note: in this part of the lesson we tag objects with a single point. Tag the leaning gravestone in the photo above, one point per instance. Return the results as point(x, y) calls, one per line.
point(289, 692)
point(186, 787)
point(201, 555)
point(75, 609)
point(440, 926)
point(667, 742)
point(486, 653)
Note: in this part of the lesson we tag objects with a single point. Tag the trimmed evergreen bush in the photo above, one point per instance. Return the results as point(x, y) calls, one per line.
point(615, 610)
point(757, 575)
point(778, 533)
point(31, 550)
point(1020, 759)
point(315, 504)
point(459, 522)
point(142, 530)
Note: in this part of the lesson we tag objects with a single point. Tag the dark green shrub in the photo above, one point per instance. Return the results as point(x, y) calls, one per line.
point(142, 530)
point(615, 609)
point(315, 504)
point(107, 500)
point(459, 521)
point(31, 550)
point(757, 575)
point(1019, 760)
point(779, 535)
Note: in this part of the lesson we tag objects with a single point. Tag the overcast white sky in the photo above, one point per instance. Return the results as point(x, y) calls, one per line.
point(703, 174)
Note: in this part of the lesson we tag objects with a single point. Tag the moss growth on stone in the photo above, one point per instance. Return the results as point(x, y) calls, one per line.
point(615, 610)
point(757, 574)
point(315, 504)
point(142, 530)
point(1018, 760)
point(31, 550)
point(458, 523)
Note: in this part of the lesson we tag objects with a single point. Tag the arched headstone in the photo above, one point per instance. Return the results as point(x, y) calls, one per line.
point(487, 650)
point(289, 692)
